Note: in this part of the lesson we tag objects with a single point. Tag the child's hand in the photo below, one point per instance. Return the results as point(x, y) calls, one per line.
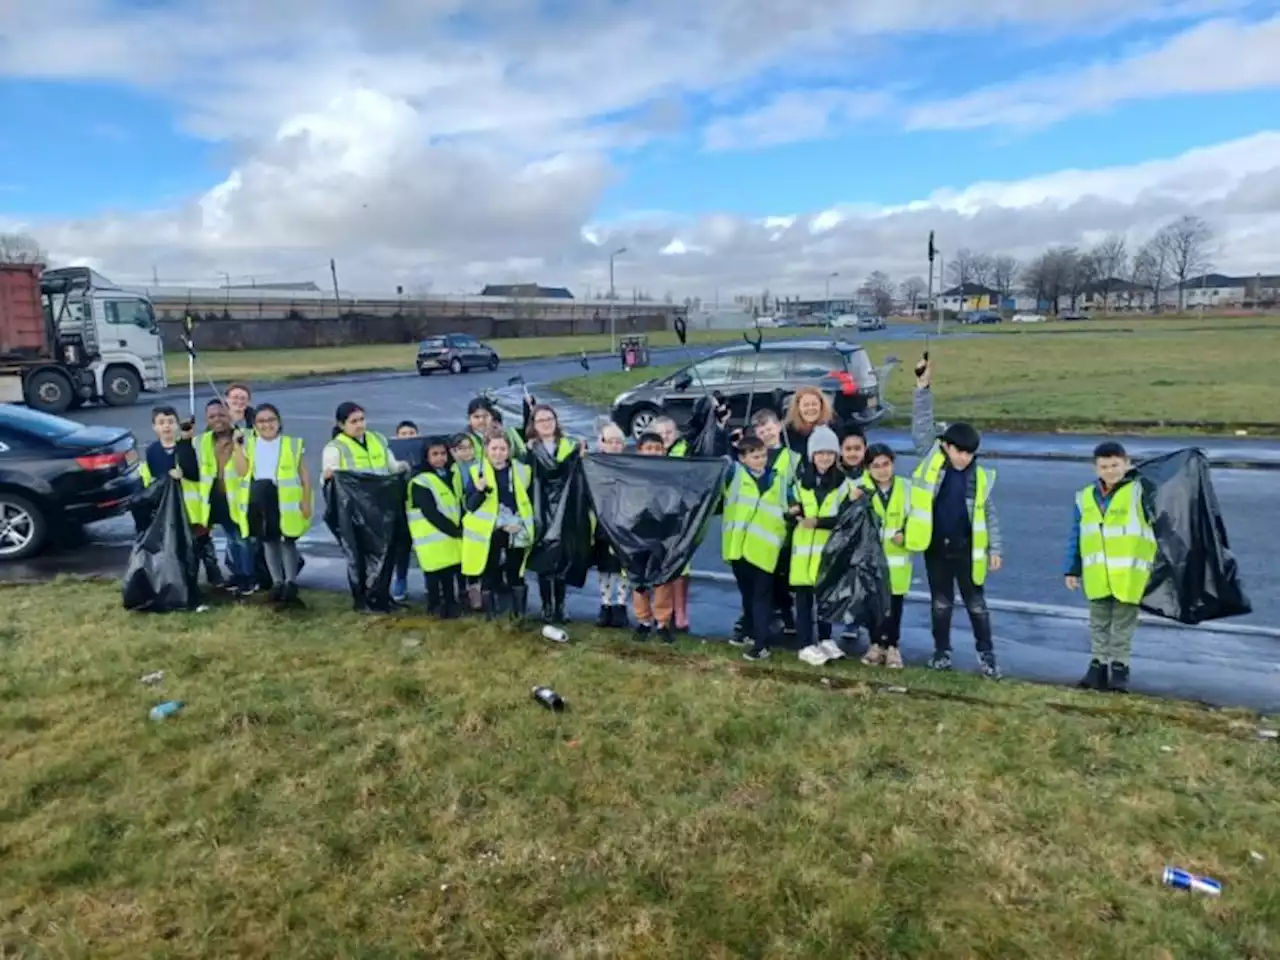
point(306, 508)
point(995, 563)
point(809, 522)
point(176, 473)
point(513, 528)
point(480, 482)
point(1073, 583)
point(924, 373)
point(795, 510)
point(899, 539)
point(328, 473)
point(856, 493)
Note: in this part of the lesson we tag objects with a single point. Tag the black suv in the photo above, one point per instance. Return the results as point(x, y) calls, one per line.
point(842, 370)
point(455, 352)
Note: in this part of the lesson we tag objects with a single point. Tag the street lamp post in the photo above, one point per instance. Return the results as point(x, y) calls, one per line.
point(827, 305)
point(613, 303)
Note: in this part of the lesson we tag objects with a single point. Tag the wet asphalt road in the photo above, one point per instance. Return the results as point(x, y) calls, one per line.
point(1034, 496)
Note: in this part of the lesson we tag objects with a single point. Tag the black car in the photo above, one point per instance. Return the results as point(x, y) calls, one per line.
point(59, 474)
point(841, 370)
point(455, 352)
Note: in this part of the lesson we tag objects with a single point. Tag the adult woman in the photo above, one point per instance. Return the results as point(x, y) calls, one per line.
point(810, 409)
point(551, 454)
point(273, 501)
point(357, 449)
point(497, 528)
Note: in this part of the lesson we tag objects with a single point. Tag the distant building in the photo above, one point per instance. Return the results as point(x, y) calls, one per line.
point(1220, 290)
point(969, 296)
point(526, 291)
point(304, 286)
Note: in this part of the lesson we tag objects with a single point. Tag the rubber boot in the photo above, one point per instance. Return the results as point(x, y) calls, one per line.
point(557, 612)
point(519, 602)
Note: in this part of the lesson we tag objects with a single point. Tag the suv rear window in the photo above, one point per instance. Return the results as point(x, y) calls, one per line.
point(858, 364)
point(815, 364)
point(432, 343)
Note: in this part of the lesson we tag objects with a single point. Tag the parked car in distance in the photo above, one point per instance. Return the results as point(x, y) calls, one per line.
point(455, 352)
point(1028, 318)
point(57, 474)
point(845, 321)
point(1073, 315)
point(870, 322)
point(981, 316)
point(840, 369)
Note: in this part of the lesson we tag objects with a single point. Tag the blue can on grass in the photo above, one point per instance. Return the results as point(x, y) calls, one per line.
point(1181, 879)
point(166, 710)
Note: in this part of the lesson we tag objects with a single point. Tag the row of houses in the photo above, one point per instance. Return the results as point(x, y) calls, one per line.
point(1212, 291)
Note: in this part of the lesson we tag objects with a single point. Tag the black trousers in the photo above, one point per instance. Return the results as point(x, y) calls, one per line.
point(948, 565)
point(809, 629)
point(889, 630)
point(755, 586)
point(502, 569)
point(442, 587)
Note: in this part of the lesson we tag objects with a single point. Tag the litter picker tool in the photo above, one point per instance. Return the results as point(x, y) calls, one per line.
point(188, 341)
point(755, 343)
point(682, 334)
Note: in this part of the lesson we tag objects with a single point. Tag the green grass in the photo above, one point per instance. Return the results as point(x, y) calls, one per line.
point(266, 365)
point(356, 788)
point(1161, 377)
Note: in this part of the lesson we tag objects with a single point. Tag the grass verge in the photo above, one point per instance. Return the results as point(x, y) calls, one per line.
point(1156, 379)
point(267, 365)
point(346, 787)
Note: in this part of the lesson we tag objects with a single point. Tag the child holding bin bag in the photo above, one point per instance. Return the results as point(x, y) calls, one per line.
point(434, 511)
point(818, 494)
point(273, 501)
point(497, 529)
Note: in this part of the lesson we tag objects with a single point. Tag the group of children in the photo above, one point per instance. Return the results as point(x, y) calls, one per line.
point(470, 521)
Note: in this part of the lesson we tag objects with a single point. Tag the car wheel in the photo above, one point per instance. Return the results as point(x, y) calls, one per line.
point(455, 365)
point(23, 528)
point(48, 391)
point(642, 420)
point(120, 386)
point(493, 363)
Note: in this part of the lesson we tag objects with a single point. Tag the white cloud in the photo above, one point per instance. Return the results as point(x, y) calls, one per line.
point(1214, 57)
point(411, 146)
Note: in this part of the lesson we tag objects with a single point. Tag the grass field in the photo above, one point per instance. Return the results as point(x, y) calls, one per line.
point(264, 365)
point(345, 787)
point(1164, 375)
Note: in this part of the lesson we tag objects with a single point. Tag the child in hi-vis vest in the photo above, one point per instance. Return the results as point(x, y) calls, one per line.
point(890, 496)
point(435, 529)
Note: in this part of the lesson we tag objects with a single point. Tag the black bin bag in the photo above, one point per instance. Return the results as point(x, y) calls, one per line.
point(162, 572)
point(1195, 576)
point(364, 511)
point(563, 540)
point(654, 510)
point(704, 434)
point(853, 574)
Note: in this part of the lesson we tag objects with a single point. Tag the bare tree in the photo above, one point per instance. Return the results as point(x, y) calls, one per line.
point(1082, 275)
point(1151, 266)
point(911, 290)
point(1110, 258)
point(1004, 274)
point(960, 267)
point(20, 248)
point(880, 288)
point(981, 268)
point(1053, 275)
point(1187, 242)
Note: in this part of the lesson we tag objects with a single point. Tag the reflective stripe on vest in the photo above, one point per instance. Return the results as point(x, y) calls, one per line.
point(921, 492)
point(1118, 549)
point(754, 526)
point(806, 543)
point(195, 507)
point(288, 480)
point(893, 517)
point(373, 456)
point(478, 525)
point(435, 550)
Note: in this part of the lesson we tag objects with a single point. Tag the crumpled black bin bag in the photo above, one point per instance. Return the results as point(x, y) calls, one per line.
point(705, 436)
point(163, 568)
point(853, 574)
point(1195, 576)
point(654, 510)
point(563, 538)
point(364, 512)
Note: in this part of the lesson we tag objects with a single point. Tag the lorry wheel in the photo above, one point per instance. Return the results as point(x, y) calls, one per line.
point(120, 386)
point(48, 391)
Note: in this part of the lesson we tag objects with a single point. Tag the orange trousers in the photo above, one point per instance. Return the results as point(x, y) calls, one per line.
point(656, 605)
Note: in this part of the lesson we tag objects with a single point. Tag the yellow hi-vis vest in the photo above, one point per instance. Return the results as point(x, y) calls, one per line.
point(893, 518)
point(434, 550)
point(194, 502)
point(754, 525)
point(679, 449)
point(807, 544)
point(924, 487)
point(374, 456)
point(289, 489)
point(478, 526)
point(1118, 549)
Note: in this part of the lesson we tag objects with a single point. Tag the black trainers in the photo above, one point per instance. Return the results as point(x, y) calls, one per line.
point(941, 660)
point(641, 633)
point(666, 635)
point(1119, 677)
point(987, 664)
point(606, 616)
point(1095, 678)
point(618, 616)
point(756, 654)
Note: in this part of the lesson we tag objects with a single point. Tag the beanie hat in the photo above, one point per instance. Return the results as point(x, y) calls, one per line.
point(823, 440)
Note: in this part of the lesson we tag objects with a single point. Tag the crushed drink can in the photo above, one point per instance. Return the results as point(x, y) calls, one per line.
point(548, 698)
point(1180, 879)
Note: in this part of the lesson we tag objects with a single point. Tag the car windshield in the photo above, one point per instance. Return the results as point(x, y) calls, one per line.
point(43, 425)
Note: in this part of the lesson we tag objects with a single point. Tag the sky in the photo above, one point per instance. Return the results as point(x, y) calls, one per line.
point(729, 146)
